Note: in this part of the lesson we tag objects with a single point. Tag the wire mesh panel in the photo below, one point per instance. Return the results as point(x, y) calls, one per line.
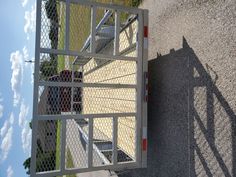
point(126, 138)
point(52, 24)
point(128, 37)
point(103, 141)
point(79, 27)
point(89, 106)
point(48, 146)
point(115, 72)
point(76, 144)
point(106, 100)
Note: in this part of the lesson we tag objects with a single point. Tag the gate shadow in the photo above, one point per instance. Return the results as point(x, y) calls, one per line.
point(182, 129)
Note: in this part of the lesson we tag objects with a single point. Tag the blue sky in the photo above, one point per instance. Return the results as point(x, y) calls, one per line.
point(17, 19)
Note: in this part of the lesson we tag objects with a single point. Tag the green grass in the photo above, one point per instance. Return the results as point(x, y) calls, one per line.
point(58, 145)
point(69, 162)
point(61, 40)
point(80, 25)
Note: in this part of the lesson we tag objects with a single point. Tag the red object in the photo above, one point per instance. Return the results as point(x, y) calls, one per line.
point(65, 92)
point(145, 31)
point(144, 144)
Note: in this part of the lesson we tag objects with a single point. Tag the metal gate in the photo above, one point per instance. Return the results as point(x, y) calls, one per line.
point(90, 88)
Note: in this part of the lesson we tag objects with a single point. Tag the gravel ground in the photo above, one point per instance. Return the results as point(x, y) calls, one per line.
point(192, 95)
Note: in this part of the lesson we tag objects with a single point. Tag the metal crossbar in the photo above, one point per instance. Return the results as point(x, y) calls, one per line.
point(90, 106)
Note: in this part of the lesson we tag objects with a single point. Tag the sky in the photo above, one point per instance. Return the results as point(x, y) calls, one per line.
point(17, 41)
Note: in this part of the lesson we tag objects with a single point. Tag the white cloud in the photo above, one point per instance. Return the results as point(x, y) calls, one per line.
point(24, 110)
point(11, 119)
point(32, 71)
point(25, 52)
point(9, 122)
point(24, 3)
point(30, 21)
point(9, 171)
point(6, 144)
point(24, 124)
point(6, 136)
point(6, 125)
point(26, 138)
point(17, 75)
point(25, 55)
point(4, 128)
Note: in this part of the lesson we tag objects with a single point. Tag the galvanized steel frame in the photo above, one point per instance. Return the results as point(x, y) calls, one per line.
point(141, 105)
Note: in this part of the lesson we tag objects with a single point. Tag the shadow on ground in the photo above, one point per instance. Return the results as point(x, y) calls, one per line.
point(191, 127)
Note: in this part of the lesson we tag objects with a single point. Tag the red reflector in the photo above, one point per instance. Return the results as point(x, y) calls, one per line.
point(144, 144)
point(145, 31)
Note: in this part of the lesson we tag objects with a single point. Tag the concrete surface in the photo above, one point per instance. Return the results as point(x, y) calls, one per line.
point(192, 99)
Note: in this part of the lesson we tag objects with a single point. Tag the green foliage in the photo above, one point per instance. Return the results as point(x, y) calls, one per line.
point(58, 144)
point(135, 3)
point(48, 68)
point(53, 36)
point(52, 14)
point(26, 165)
point(42, 159)
point(30, 124)
point(69, 162)
point(45, 158)
point(51, 10)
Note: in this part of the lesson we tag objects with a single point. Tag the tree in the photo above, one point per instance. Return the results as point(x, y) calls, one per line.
point(53, 36)
point(30, 124)
point(26, 165)
point(51, 12)
point(48, 68)
point(42, 159)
